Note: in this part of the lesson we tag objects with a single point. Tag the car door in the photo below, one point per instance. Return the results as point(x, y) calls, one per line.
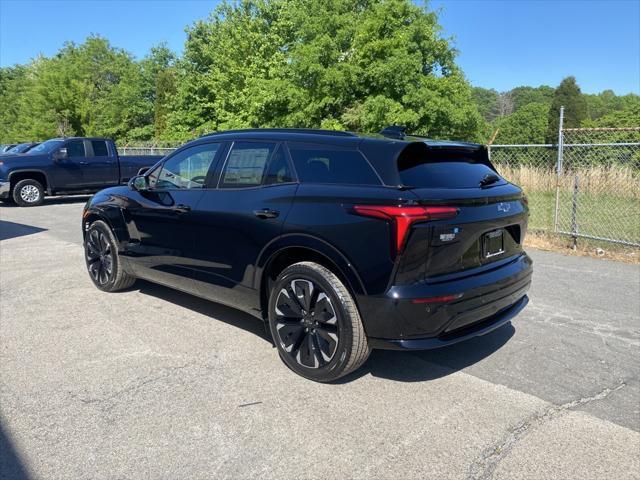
point(70, 160)
point(245, 212)
point(163, 221)
point(101, 168)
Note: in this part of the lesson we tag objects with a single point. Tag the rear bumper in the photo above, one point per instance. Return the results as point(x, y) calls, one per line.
point(5, 189)
point(482, 298)
point(475, 330)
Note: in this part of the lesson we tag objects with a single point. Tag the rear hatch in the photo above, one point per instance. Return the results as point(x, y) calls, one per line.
point(488, 228)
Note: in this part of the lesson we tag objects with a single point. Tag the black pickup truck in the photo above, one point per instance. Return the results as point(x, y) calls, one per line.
point(67, 166)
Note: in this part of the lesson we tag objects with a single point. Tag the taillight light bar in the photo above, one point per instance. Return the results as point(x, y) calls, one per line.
point(402, 217)
point(442, 299)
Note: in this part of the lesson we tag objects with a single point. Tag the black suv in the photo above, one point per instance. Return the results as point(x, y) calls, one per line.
point(341, 242)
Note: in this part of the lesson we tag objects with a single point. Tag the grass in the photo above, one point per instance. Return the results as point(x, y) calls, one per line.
point(608, 199)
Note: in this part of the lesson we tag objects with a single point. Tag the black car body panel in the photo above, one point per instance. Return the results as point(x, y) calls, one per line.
point(221, 236)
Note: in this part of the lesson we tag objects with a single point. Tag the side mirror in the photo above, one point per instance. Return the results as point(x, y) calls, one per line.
point(139, 183)
point(61, 154)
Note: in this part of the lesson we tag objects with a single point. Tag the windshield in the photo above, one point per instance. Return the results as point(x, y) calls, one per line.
point(23, 147)
point(45, 147)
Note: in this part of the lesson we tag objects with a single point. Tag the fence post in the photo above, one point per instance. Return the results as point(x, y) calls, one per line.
point(574, 213)
point(558, 169)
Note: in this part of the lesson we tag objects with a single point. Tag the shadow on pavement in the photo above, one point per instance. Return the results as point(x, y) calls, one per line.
point(400, 366)
point(11, 466)
point(426, 365)
point(62, 200)
point(216, 311)
point(12, 230)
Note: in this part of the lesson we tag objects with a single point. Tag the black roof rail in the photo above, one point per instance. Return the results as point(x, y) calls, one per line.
point(312, 131)
point(394, 131)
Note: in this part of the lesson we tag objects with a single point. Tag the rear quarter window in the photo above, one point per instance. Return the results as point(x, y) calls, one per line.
point(319, 164)
point(442, 169)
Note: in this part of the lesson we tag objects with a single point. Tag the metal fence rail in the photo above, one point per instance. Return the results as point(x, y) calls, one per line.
point(587, 186)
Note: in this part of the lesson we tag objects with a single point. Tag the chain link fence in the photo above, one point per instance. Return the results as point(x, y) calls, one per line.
point(587, 186)
point(148, 150)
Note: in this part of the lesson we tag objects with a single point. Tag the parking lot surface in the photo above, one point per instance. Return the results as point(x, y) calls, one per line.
point(152, 383)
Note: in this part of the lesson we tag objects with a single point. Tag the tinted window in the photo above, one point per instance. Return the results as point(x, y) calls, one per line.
point(75, 149)
point(100, 148)
point(246, 164)
point(186, 169)
point(279, 170)
point(47, 146)
point(449, 174)
point(326, 165)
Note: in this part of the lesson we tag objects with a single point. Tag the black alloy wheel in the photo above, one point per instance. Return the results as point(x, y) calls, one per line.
point(99, 257)
point(103, 263)
point(306, 323)
point(315, 323)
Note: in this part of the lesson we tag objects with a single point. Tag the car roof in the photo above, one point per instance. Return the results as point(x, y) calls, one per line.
point(330, 136)
point(80, 138)
point(382, 149)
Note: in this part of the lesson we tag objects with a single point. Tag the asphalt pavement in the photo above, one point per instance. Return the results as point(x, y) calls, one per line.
point(152, 383)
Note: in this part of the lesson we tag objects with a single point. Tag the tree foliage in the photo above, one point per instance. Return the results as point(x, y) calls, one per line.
point(569, 96)
point(339, 64)
point(344, 64)
point(526, 125)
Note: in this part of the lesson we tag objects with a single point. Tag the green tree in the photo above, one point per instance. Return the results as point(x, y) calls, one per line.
point(567, 94)
point(487, 100)
point(355, 64)
point(526, 125)
point(525, 95)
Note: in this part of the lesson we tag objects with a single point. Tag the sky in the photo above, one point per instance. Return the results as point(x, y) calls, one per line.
point(502, 43)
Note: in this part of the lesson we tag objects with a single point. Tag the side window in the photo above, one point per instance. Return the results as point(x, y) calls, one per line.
point(187, 169)
point(75, 149)
point(246, 164)
point(317, 164)
point(100, 148)
point(278, 170)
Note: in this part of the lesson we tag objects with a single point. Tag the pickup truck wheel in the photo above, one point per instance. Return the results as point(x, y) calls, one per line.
point(103, 263)
point(28, 193)
point(315, 323)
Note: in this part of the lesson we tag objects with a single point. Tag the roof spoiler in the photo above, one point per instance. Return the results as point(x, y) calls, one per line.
point(394, 131)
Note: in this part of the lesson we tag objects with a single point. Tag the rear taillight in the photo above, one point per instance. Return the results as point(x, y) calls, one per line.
point(401, 218)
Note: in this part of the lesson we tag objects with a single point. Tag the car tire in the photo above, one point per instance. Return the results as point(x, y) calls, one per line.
point(103, 263)
point(315, 323)
point(28, 193)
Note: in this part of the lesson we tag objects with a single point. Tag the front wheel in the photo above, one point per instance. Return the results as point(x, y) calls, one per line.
point(103, 263)
point(28, 193)
point(315, 323)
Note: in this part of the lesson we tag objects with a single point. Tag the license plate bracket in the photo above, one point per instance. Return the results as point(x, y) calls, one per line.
point(493, 243)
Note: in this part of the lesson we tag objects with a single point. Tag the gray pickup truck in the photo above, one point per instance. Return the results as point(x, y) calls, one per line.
point(63, 166)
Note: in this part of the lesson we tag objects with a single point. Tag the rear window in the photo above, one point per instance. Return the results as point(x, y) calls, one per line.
point(442, 169)
point(100, 148)
point(327, 165)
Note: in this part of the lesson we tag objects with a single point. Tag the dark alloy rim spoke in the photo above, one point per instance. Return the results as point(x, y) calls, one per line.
point(306, 323)
point(99, 257)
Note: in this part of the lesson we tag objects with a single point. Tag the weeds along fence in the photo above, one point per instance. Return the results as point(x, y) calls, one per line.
point(587, 186)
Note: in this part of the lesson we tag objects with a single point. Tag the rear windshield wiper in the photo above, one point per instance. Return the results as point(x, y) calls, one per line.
point(488, 179)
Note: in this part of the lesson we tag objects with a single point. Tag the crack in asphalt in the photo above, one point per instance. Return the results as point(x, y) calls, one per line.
point(484, 467)
point(135, 387)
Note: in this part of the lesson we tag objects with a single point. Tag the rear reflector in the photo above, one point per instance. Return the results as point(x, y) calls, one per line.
point(403, 217)
point(442, 299)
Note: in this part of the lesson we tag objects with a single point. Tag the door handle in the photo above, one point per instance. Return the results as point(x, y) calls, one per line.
point(84, 163)
point(181, 208)
point(266, 213)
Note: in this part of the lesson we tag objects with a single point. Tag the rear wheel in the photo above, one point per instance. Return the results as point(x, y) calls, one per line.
point(103, 262)
point(28, 193)
point(315, 323)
